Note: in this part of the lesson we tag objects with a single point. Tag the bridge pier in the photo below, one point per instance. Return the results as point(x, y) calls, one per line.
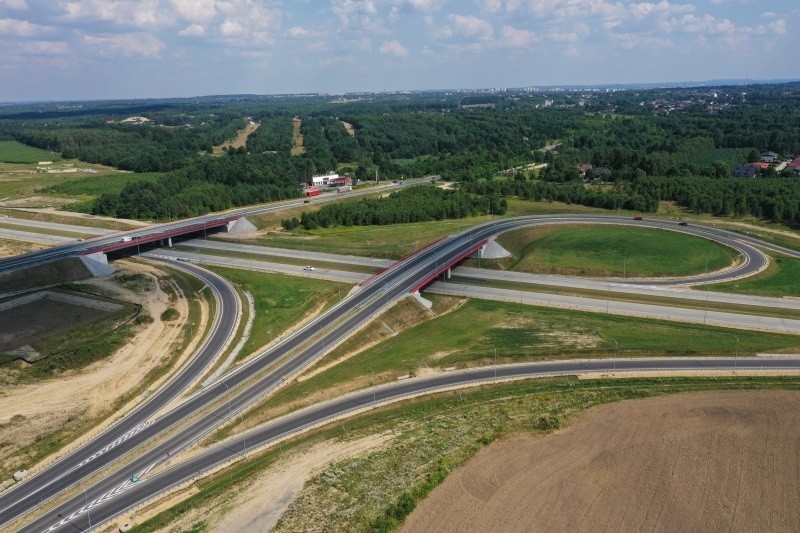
point(240, 225)
point(448, 274)
point(97, 264)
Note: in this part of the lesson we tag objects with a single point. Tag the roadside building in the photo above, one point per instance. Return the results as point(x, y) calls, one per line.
point(324, 179)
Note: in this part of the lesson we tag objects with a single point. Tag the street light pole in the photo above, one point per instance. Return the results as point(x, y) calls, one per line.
point(373, 385)
point(615, 353)
point(227, 391)
point(495, 361)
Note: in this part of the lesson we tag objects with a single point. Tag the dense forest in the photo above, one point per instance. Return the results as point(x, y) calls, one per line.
point(654, 144)
point(415, 204)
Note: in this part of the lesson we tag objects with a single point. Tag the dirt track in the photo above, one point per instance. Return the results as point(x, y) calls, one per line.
point(716, 461)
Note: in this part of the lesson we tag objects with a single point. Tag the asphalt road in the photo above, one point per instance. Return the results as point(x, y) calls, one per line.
point(99, 243)
point(115, 441)
point(345, 318)
point(613, 307)
point(130, 494)
point(697, 315)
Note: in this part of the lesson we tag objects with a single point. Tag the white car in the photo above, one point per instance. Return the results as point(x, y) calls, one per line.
point(308, 267)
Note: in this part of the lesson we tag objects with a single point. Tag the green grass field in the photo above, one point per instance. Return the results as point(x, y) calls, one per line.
point(280, 301)
point(388, 242)
point(97, 185)
point(781, 278)
point(610, 251)
point(471, 333)
point(16, 152)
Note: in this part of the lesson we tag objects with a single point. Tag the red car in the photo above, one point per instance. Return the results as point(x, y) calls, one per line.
point(638, 218)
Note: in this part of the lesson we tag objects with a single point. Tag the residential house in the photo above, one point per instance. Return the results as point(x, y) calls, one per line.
point(745, 171)
point(602, 173)
point(769, 157)
point(794, 165)
point(583, 168)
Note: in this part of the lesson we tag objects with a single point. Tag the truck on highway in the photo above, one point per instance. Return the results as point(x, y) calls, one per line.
point(126, 239)
point(345, 188)
point(313, 192)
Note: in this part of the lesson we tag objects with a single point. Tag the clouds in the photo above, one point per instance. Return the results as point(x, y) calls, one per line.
point(125, 44)
point(393, 48)
point(305, 45)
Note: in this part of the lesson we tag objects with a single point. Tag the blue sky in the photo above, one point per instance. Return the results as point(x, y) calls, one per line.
point(87, 49)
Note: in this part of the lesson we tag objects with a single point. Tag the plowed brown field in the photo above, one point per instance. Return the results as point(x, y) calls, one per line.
point(711, 461)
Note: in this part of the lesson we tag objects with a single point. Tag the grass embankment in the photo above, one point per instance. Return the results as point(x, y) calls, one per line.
point(781, 278)
point(469, 334)
point(432, 436)
point(49, 216)
point(277, 259)
point(280, 301)
point(609, 251)
point(388, 242)
point(16, 152)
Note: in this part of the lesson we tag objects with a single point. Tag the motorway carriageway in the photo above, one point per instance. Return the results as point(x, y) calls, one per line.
point(189, 225)
point(130, 494)
point(697, 315)
point(345, 317)
point(89, 457)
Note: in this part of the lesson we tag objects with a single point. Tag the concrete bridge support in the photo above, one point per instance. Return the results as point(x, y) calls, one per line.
point(240, 225)
point(97, 264)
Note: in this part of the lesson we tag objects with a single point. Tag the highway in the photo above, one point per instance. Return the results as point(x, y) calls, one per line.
point(157, 231)
point(95, 453)
point(343, 319)
point(128, 494)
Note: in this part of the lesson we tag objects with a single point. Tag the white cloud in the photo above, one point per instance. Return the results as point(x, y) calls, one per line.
point(356, 14)
point(470, 26)
point(704, 24)
point(298, 32)
point(18, 5)
point(393, 48)
point(421, 5)
point(769, 14)
point(646, 9)
point(492, 6)
point(511, 37)
point(193, 30)
point(140, 14)
point(778, 27)
point(576, 9)
point(630, 41)
point(126, 44)
point(22, 28)
point(43, 48)
point(196, 11)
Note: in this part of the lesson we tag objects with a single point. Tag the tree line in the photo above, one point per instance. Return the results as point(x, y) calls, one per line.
point(416, 204)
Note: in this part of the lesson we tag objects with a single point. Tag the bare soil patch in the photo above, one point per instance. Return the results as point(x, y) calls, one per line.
point(240, 140)
point(10, 248)
point(349, 128)
point(63, 405)
point(709, 461)
point(297, 137)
